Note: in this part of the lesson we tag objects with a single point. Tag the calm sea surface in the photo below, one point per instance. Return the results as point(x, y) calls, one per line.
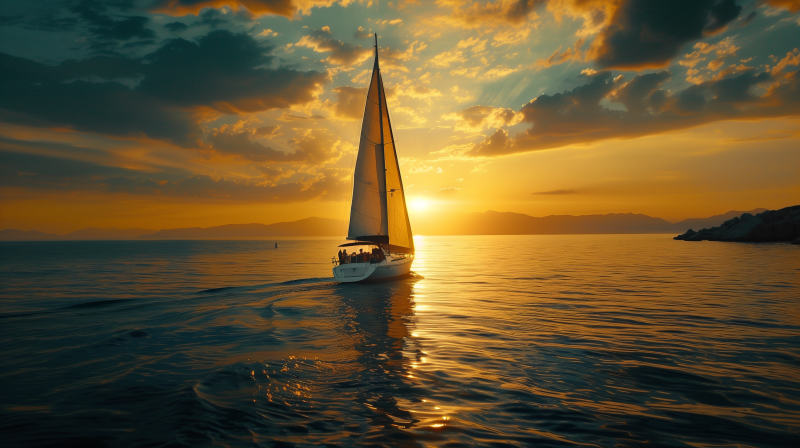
point(613, 340)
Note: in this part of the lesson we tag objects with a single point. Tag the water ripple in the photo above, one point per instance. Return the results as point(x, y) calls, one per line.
point(495, 341)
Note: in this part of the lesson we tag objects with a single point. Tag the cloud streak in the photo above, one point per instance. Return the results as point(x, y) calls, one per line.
point(51, 174)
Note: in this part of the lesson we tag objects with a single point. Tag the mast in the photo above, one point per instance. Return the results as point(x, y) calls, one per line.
point(380, 156)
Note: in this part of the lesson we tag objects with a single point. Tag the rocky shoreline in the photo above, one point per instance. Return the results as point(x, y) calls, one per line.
point(768, 226)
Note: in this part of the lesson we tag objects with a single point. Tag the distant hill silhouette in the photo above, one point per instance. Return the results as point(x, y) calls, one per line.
point(486, 223)
point(767, 226)
point(712, 221)
point(303, 227)
point(509, 223)
point(108, 233)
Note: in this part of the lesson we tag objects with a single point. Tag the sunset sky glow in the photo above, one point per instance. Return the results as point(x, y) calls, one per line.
point(185, 113)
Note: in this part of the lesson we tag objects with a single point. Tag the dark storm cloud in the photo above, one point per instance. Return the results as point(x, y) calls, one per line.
point(578, 116)
point(176, 27)
point(37, 95)
point(95, 14)
point(637, 95)
point(54, 174)
point(212, 17)
point(221, 71)
point(646, 33)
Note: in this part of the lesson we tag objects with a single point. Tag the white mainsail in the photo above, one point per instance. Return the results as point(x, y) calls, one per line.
point(378, 212)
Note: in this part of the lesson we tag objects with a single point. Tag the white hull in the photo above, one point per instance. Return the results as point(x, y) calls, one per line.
point(357, 272)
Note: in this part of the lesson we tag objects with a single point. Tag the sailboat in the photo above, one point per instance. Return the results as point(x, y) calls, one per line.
point(378, 213)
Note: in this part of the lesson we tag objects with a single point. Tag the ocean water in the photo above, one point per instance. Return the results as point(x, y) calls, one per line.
point(584, 340)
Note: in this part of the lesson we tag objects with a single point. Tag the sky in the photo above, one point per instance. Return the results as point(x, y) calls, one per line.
point(195, 113)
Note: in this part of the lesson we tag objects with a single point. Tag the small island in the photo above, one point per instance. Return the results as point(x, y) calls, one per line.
point(768, 226)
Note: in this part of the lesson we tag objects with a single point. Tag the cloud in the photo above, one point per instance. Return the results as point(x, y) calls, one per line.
point(792, 58)
point(476, 45)
point(499, 72)
point(558, 57)
point(702, 50)
point(268, 33)
point(212, 18)
point(510, 37)
point(412, 115)
point(228, 141)
point(268, 131)
point(445, 192)
point(416, 91)
point(447, 58)
point(637, 95)
point(157, 96)
point(475, 14)
point(222, 71)
point(94, 13)
point(393, 59)
point(37, 95)
point(319, 146)
point(579, 117)
point(286, 8)
point(647, 34)
point(176, 27)
point(350, 102)
point(791, 5)
point(478, 118)
point(639, 34)
point(480, 168)
point(341, 53)
point(414, 165)
point(361, 33)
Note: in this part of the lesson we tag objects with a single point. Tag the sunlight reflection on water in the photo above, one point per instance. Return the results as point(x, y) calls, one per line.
point(550, 340)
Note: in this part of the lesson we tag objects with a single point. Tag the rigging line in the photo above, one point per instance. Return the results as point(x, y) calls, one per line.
point(367, 139)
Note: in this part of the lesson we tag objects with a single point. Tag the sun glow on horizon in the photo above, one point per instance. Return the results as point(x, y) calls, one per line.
point(419, 204)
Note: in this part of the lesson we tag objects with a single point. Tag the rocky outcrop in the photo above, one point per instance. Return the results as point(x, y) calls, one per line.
point(771, 225)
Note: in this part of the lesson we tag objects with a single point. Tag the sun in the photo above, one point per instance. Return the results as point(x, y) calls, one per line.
point(419, 204)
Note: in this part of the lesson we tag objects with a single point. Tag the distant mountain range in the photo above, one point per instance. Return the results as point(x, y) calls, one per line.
point(508, 223)
point(486, 223)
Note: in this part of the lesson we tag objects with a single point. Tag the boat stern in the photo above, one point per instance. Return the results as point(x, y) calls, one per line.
point(353, 272)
